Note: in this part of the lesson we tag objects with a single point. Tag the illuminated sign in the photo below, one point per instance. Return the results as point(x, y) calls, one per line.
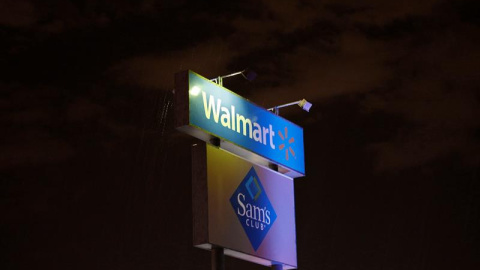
point(247, 209)
point(212, 110)
point(253, 208)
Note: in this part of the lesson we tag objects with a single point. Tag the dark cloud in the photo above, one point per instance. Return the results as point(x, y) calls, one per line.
point(17, 13)
point(38, 152)
point(90, 159)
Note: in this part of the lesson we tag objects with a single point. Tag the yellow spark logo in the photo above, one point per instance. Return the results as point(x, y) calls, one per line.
point(290, 141)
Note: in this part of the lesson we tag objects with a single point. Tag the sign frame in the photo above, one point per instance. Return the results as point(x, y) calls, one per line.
point(186, 122)
point(206, 212)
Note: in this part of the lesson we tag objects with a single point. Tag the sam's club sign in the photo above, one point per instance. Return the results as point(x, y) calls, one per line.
point(217, 111)
point(253, 208)
point(247, 209)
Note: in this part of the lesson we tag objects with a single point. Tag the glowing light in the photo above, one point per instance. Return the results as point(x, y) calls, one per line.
point(195, 91)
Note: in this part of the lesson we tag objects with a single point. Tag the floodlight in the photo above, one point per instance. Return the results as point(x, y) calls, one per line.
point(248, 74)
point(304, 104)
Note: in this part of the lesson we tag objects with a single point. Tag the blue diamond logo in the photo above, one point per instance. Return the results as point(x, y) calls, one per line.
point(253, 208)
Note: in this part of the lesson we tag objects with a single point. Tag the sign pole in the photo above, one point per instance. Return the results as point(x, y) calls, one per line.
point(275, 266)
point(218, 260)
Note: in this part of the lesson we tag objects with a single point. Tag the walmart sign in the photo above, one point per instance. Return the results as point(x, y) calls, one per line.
point(217, 111)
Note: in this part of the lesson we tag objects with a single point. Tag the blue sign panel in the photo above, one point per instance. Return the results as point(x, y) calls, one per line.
point(253, 208)
point(227, 115)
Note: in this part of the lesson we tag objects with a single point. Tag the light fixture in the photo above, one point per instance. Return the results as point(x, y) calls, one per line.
point(248, 74)
point(304, 104)
point(195, 90)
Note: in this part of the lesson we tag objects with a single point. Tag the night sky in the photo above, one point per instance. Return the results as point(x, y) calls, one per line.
point(94, 176)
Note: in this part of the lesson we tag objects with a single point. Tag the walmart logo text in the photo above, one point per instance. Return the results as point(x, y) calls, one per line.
point(237, 122)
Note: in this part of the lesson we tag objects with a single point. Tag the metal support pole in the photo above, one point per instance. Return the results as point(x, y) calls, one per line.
point(233, 74)
point(215, 141)
point(218, 260)
point(288, 104)
point(277, 267)
point(273, 166)
point(276, 111)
